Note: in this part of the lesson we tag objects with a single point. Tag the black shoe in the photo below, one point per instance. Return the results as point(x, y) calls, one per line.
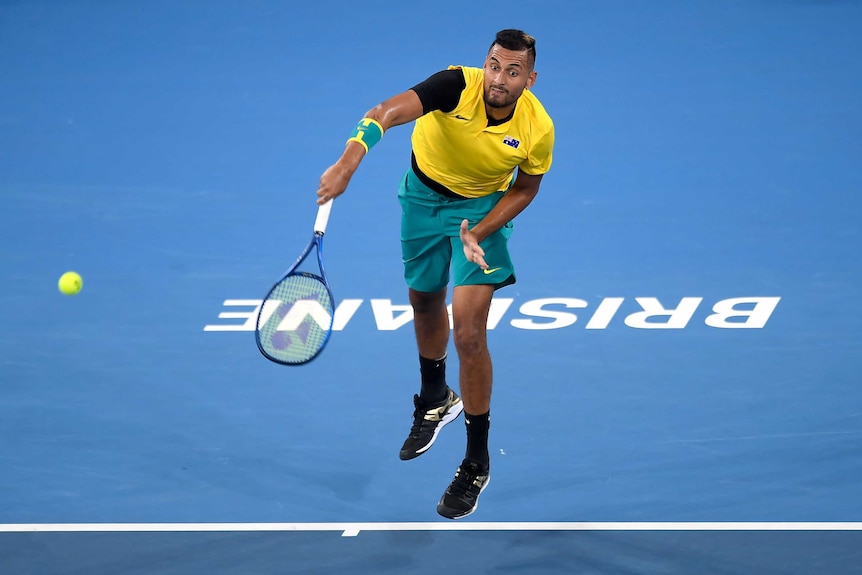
point(462, 496)
point(427, 423)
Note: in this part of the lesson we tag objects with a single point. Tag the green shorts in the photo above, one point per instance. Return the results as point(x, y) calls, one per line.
point(431, 244)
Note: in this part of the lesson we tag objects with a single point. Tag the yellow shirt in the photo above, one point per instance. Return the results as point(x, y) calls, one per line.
point(460, 151)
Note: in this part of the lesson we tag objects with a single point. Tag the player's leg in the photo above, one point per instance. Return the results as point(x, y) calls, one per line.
point(431, 325)
point(470, 306)
point(471, 302)
point(426, 253)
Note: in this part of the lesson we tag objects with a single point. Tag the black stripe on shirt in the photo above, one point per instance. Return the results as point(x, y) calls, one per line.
point(441, 91)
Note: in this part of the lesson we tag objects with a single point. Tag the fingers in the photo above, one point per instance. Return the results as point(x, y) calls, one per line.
point(322, 193)
point(326, 193)
point(479, 257)
point(472, 250)
point(332, 184)
point(479, 260)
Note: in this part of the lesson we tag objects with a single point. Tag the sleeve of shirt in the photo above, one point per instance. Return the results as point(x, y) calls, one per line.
point(441, 91)
point(541, 154)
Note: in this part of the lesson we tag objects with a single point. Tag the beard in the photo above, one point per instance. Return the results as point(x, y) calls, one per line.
point(498, 100)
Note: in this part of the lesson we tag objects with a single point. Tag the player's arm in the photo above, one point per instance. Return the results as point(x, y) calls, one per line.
point(513, 202)
point(397, 110)
point(440, 91)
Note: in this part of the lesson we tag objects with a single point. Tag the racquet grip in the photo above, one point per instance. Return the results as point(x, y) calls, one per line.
point(322, 217)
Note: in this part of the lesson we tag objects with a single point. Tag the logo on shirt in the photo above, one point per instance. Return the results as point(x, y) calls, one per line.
point(510, 141)
point(460, 117)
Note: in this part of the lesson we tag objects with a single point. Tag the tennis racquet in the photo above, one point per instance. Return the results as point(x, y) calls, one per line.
point(294, 321)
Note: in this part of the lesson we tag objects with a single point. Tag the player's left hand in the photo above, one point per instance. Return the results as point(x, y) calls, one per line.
point(472, 251)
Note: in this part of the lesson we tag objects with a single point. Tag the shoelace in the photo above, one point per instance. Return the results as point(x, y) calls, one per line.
point(418, 417)
point(465, 483)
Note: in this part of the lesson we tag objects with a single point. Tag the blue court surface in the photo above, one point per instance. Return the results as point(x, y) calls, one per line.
point(677, 370)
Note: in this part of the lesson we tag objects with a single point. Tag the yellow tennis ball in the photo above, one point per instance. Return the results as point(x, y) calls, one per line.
point(70, 283)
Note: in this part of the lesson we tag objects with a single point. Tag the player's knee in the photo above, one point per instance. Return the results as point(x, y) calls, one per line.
point(427, 302)
point(469, 341)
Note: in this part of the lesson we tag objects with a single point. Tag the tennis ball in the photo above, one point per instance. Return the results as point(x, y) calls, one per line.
point(70, 283)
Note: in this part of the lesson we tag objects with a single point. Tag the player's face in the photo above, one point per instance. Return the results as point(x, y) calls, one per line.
point(507, 74)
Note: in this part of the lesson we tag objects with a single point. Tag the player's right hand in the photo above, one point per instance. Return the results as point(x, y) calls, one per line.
point(333, 182)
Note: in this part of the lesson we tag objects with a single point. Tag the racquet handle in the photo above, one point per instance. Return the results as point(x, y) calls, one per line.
point(322, 218)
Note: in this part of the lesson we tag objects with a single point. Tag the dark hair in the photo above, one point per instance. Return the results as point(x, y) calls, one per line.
point(516, 40)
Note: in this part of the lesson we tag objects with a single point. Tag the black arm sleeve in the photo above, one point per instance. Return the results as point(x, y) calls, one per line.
point(441, 91)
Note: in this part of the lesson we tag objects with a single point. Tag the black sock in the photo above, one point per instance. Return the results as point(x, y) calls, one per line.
point(433, 380)
point(477, 438)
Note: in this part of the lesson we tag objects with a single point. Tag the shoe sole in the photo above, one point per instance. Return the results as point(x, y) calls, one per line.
point(454, 514)
point(450, 416)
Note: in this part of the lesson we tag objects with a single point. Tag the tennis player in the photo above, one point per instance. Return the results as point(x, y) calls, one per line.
point(481, 144)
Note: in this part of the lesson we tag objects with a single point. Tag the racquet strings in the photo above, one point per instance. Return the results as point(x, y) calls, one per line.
point(297, 319)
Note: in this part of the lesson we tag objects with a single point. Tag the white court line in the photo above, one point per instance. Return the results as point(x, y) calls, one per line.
point(353, 529)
